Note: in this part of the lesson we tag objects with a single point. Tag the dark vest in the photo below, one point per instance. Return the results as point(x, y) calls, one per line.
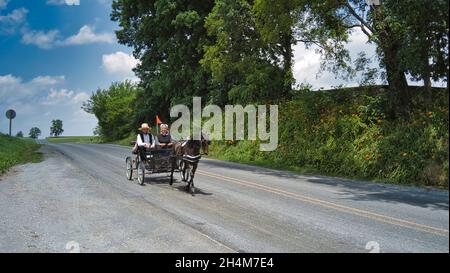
point(150, 136)
point(164, 139)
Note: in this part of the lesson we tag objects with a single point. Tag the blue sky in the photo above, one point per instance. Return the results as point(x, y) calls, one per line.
point(55, 53)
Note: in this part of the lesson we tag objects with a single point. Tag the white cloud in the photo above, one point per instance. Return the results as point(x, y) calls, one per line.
point(80, 97)
point(64, 2)
point(86, 35)
point(50, 39)
point(13, 89)
point(44, 40)
point(307, 63)
point(64, 97)
point(63, 93)
point(47, 80)
point(12, 21)
point(120, 63)
point(41, 99)
point(16, 16)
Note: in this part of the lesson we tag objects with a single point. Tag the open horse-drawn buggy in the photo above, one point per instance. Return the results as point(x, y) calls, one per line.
point(182, 158)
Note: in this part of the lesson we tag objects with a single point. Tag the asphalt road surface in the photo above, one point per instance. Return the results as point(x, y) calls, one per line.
point(79, 199)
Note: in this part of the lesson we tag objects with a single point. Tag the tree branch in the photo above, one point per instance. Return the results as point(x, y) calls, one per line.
point(357, 17)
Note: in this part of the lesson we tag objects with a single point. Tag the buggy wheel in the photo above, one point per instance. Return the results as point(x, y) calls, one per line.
point(141, 173)
point(129, 165)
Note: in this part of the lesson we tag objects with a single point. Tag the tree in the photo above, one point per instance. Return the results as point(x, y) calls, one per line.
point(57, 128)
point(35, 132)
point(251, 59)
point(115, 110)
point(425, 45)
point(243, 69)
point(168, 38)
point(405, 43)
point(19, 134)
point(275, 21)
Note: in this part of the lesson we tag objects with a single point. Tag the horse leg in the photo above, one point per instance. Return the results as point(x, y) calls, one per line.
point(172, 169)
point(187, 176)
point(191, 180)
point(184, 172)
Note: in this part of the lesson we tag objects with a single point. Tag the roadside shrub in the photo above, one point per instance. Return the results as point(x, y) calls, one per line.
point(347, 133)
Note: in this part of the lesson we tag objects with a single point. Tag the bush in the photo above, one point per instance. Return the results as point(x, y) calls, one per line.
point(114, 108)
point(347, 133)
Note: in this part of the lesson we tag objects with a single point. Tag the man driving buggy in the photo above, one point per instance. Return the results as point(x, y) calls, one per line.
point(144, 140)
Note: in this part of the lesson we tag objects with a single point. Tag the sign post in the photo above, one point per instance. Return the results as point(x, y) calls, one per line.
point(10, 114)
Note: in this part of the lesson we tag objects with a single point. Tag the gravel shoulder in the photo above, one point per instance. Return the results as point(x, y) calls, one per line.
point(49, 206)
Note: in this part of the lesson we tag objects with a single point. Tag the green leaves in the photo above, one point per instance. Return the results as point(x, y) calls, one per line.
point(186, 19)
point(114, 109)
point(168, 37)
point(57, 128)
point(34, 132)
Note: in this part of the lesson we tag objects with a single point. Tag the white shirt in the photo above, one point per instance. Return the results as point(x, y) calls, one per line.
point(146, 140)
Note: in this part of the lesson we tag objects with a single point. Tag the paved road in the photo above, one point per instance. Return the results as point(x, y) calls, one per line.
point(80, 193)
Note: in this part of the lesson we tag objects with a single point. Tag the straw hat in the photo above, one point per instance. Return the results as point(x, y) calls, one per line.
point(144, 126)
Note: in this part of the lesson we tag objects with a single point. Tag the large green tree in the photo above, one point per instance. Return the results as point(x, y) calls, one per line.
point(168, 38)
point(251, 58)
point(115, 110)
point(411, 37)
point(57, 128)
point(424, 51)
point(242, 67)
point(34, 132)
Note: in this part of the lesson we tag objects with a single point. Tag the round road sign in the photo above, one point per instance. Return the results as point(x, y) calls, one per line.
point(10, 114)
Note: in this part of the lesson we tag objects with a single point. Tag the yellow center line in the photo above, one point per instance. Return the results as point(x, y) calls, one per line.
point(331, 205)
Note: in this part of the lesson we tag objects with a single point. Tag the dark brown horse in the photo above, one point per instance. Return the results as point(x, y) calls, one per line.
point(188, 155)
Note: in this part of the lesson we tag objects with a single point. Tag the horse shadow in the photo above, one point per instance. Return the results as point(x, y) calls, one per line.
point(177, 184)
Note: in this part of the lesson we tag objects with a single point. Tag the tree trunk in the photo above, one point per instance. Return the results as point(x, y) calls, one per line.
point(287, 65)
point(427, 82)
point(399, 97)
point(427, 69)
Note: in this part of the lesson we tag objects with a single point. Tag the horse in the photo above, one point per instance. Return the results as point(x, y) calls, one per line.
point(188, 155)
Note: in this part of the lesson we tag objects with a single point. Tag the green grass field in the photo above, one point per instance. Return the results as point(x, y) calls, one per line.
point(15, 151)
point(74, 139)
point(126, 141)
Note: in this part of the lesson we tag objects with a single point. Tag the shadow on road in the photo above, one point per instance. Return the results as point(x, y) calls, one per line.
point(355, 190)
point(177, 184)
point(366, 191)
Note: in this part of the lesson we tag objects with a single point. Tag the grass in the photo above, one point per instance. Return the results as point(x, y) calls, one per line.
point(15, 151)
point(126, 141)
point(74, 139)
